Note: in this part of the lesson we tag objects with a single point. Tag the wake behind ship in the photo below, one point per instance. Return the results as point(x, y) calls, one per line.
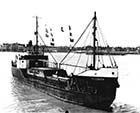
point(93, 87)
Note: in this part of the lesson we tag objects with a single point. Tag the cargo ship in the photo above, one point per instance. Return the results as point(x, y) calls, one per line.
point(93, 87)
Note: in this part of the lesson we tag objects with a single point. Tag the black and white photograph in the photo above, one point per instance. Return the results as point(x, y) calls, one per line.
point(69, 56)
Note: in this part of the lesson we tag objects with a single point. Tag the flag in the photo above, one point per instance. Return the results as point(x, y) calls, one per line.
point(51, 34)
point(62, 29)
point(71, 40)
point(70, 34)
point(52, 44)
point(46, 30)
point(53, 39)
point(47, 35)
point(69, 27)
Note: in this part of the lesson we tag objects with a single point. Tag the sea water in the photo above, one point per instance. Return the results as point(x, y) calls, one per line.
point(16, 97)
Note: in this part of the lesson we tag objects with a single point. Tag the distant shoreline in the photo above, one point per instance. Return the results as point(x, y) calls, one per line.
point(87, 53)
point(16, 47)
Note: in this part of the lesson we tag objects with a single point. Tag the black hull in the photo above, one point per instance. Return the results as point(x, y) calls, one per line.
point(84, 99)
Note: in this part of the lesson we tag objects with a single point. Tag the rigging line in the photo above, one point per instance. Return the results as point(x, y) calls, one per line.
point(88, 55)
point(77, 40)
point(77, 63)
point(114, 61)
point(70, 58)
point(104, 41)
point(100, 46)
point(47, 48)
point(102, 35)
point(106, 44)
point(110, 56)
point(84, 43)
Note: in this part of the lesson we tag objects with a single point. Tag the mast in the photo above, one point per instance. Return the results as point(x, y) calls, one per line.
point(36, 33)
point(94, 40)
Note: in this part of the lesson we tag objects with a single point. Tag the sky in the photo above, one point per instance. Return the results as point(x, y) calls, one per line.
point(119, 19)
